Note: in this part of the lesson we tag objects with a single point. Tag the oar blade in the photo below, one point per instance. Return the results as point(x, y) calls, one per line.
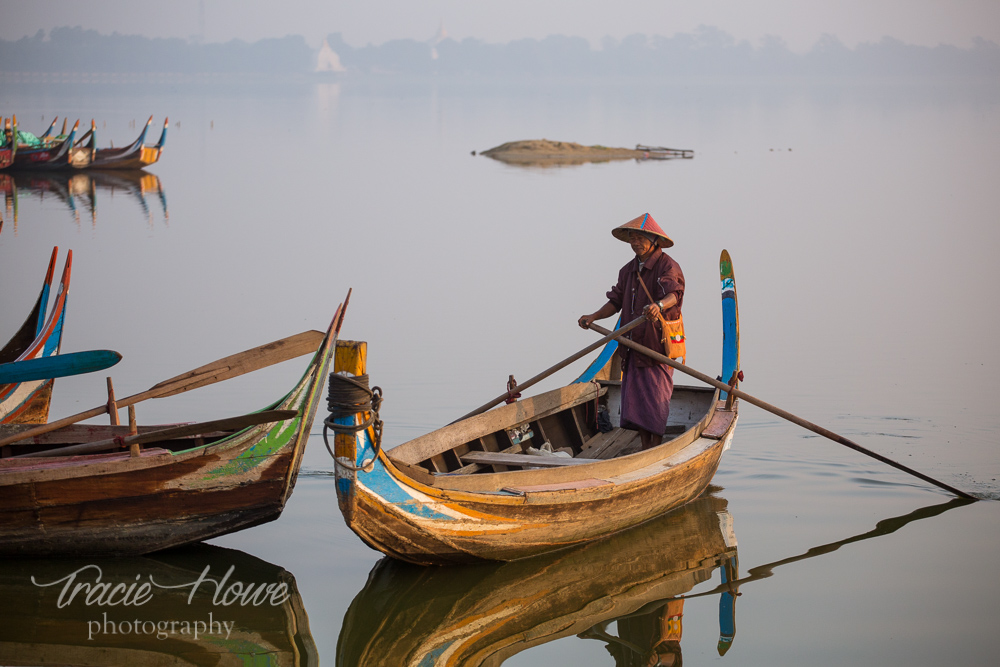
point(59, 365)
point(239, 364)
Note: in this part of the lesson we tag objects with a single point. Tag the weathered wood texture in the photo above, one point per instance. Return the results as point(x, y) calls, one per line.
point(521, 460)
point(217, 371)
point(119, 504)
point(507, 416)
point(518, 513)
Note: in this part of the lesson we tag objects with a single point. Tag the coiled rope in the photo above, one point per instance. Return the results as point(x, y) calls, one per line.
point(349, 395)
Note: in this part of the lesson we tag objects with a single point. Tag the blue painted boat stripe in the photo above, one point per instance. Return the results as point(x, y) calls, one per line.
point(40, 324)
point(602, 360)
point(380, 482)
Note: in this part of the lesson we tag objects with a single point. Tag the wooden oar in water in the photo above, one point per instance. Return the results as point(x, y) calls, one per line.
point(223, 369)
point(182, 431)
point(609, 335)
point(784, 414)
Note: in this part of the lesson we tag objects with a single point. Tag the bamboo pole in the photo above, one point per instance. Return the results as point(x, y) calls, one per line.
point(609, 335)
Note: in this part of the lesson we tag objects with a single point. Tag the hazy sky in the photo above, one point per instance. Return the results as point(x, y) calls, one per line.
point(799, 22)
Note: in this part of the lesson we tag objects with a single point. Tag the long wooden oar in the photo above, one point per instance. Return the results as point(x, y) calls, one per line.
point(228, 424)
point(784, 414)
point(223, 369)
point(609, 335)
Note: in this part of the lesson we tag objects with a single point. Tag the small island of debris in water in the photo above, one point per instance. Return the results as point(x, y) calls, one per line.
point(543, 152)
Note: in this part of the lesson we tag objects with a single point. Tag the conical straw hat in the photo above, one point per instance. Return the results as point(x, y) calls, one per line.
point(644, 223)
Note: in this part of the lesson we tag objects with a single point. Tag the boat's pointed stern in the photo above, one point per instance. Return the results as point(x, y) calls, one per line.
point(730, 321)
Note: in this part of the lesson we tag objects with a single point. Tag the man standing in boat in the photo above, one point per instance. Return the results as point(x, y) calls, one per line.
point(651, 284)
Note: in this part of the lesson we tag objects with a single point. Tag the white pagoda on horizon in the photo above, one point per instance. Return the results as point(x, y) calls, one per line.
point(328, 60)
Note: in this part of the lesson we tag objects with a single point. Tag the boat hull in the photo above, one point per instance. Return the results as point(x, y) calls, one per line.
point(518, 514)
point(451, 496)
point(139, 505)
point(138, 502)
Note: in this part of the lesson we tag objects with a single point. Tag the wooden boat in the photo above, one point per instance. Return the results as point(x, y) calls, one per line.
point(480, 615)
point(8, 147)
point(36, 630)
point(468, 492)
point(182, 490)
point(136, 155)
point(664, 153)
point(59, 154)
point(28, 402)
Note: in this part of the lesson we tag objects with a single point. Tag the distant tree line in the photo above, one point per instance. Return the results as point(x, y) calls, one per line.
point(79, 50)
point(706, 52)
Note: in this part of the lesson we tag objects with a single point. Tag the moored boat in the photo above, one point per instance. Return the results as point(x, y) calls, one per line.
point(39, 337)
point(60, 153)
point(197, 482)
point(136, 155)
point(471, 491)
point(8, 144)
point(663, 153)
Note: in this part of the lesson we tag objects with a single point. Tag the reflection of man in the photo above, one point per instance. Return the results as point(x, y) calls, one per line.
point(649, 640)
point(651, 284)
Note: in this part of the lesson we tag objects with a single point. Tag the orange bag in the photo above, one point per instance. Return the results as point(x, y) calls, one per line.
point(672, 331)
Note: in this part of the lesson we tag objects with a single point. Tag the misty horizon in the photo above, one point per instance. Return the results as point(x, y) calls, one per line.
point(441, 34)
point(707, 51)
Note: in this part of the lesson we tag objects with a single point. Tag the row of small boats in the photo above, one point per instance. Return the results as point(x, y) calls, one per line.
point(64, 150)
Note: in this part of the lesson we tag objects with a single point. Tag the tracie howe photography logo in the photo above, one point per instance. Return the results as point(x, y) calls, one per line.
point(144, 606)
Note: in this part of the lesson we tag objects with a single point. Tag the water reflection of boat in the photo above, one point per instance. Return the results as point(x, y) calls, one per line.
point(36, 629)
point(484, 614)
point(78, 190)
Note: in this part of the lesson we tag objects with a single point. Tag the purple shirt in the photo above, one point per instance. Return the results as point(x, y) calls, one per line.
point(661, 275)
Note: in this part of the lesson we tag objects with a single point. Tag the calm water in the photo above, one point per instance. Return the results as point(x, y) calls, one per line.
point(862, 225)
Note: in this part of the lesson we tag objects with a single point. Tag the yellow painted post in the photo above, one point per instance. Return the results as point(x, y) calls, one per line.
point(350, 356)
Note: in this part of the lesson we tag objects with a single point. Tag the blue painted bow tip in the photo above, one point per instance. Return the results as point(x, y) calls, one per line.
point(58, 365)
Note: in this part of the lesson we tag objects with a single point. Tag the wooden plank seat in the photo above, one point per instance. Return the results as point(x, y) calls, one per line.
point(720, 423)
point(522, 460)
